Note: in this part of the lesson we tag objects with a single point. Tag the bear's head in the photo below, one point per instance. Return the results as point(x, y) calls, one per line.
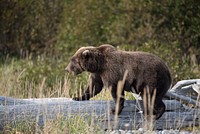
point(89, 59)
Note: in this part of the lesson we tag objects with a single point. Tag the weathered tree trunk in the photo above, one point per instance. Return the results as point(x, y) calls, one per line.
point(177, 115)
point(13, 111)
point(187, 91)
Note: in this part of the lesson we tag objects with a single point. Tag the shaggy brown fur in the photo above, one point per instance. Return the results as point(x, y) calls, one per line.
point(107, 66)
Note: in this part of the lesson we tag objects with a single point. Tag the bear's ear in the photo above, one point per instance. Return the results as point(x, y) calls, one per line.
point(106, 48)
point(86, 54)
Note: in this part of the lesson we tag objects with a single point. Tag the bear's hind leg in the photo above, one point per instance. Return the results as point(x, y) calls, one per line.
point(119, 101)
point(153, 109)
point(159, 109)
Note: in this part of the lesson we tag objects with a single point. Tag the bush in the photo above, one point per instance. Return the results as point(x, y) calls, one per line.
point(29, 26)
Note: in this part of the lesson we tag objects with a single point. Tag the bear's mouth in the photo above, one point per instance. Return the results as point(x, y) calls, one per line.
point(75, 73)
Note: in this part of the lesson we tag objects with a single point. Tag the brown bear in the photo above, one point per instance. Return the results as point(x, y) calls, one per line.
point(107, 67)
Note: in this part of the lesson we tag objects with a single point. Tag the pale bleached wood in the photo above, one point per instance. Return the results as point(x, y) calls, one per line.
point(187, 91)
point(14, 111)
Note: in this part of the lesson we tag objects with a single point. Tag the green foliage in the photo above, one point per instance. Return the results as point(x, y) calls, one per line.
point(177, 21)
point(54, 26)
point(29, 26)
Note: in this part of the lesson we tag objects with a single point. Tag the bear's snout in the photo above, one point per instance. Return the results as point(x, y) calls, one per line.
point(73, 68)
point(67, 68)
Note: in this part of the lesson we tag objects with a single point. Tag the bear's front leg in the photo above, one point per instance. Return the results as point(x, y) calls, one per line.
point(94, 87)
point(82, 98)
point(119, 101)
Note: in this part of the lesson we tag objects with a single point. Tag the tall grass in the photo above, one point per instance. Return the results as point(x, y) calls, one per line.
point(25, 79)
point(60, 125)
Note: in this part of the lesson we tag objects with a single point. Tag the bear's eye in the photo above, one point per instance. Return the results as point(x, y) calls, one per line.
point(74, 60)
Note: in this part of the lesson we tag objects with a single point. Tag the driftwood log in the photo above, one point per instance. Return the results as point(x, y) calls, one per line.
point(187, 91)
point(177, 115)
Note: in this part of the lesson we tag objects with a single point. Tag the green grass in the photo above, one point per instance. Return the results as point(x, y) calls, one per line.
point(61, 125)
point(22, 79)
